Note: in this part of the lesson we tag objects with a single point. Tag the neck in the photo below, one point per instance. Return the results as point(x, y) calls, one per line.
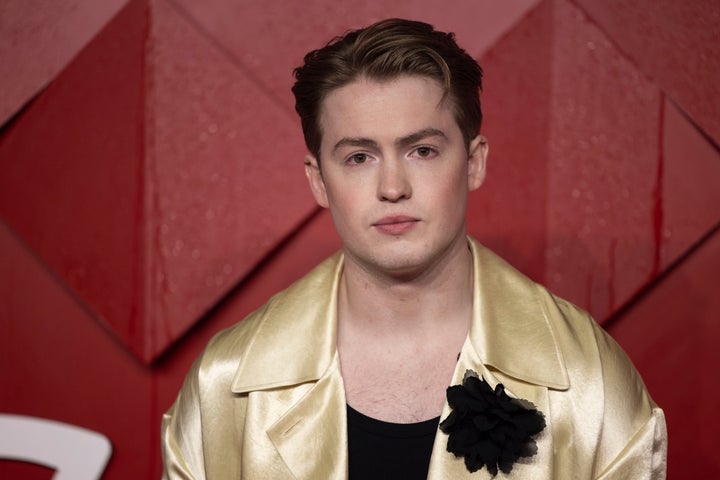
point(437, 298)
point(399, 336)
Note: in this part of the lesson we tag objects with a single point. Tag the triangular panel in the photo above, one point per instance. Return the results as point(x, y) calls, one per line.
point(690, 183)
point(224, 177)
point(71, 183)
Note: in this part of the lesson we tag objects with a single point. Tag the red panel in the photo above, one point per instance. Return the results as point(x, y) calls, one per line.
point(690, 182)
point(75, 372)
point(270, 38)
point(316, 241)
point(676, 43)
point(508, 212)
point(478, 24)
point(26, 471)
point(671, 335)
point(224, 177)
point(71, 185)
point(39, 38)
point(154, 236)
point(64, 367)
point(602, 175)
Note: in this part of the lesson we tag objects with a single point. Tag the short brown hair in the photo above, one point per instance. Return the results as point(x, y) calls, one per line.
point(382, 51)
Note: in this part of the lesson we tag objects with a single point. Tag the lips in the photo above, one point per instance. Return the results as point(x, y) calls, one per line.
point(395, 224)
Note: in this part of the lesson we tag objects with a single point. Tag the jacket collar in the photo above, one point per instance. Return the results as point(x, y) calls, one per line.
point(511, 328)
point(295, 333)
point(510, 331)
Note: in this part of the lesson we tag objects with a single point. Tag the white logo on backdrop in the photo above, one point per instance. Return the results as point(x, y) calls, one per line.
point(75, 453)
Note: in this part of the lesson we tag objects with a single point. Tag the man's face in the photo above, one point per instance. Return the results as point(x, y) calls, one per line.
point(395, 174)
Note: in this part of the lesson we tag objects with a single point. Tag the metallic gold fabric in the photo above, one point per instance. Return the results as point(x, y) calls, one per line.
point(266, 398)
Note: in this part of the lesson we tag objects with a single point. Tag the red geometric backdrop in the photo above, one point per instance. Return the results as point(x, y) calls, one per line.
point(152, 191)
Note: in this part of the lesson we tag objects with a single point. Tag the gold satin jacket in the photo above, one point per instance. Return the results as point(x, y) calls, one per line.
point(266, 398)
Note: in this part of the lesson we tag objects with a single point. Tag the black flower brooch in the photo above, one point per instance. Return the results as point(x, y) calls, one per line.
point(488, 427)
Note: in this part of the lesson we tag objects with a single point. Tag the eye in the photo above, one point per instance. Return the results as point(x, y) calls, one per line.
point(425, 152)
point(357, 158)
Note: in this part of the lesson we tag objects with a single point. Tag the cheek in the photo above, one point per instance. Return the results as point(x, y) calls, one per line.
point(451, 189)
point(343, 205)
point(348, 193)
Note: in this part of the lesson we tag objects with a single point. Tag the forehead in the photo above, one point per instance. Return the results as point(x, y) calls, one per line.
point(385, 109)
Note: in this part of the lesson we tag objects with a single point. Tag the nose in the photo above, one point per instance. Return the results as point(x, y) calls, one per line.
point(393, 182)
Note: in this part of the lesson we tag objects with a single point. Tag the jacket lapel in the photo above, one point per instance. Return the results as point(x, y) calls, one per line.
point(511, 330)
point(296, 398)
point(295, 337)
point(445, 465)
point(510, 342)
point(311, 435)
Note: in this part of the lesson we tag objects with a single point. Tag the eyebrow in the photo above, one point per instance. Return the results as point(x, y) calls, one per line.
point(355, 142)
point(400, 142)
point(419, 135)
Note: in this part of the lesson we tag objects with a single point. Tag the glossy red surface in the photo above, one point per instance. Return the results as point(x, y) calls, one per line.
point(153, 194)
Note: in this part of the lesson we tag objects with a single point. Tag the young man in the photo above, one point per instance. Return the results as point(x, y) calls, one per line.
point(347, 371)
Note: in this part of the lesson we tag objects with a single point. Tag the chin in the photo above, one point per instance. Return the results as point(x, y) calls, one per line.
point(402, 267)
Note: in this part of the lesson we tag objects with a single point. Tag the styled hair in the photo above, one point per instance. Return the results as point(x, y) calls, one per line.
point(383, 51)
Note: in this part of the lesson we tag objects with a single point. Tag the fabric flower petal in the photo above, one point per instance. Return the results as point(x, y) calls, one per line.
point(487, 427)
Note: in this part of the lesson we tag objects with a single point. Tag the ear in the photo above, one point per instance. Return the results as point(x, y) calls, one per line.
point(477, 162)
point(314, 176)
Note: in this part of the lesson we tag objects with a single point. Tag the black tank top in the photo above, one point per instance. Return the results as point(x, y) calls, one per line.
point(382, 450)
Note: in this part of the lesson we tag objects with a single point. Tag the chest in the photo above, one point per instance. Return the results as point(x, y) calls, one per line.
point(401, 388)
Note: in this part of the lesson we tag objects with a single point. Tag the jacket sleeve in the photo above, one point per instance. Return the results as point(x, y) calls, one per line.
point(633, 439)
point(645, 456)
point(181, 433)
point(617, 431)
point(206, 422)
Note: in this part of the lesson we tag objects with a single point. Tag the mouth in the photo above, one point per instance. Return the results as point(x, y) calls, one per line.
point(395, 224)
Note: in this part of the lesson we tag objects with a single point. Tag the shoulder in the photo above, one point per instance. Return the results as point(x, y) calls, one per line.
point(268, 336)
point(288, 321)
point(585, 350)
point(629, 435)
point(587, 347)
point(609, 396)
point(597, 399)
point(591, 355)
